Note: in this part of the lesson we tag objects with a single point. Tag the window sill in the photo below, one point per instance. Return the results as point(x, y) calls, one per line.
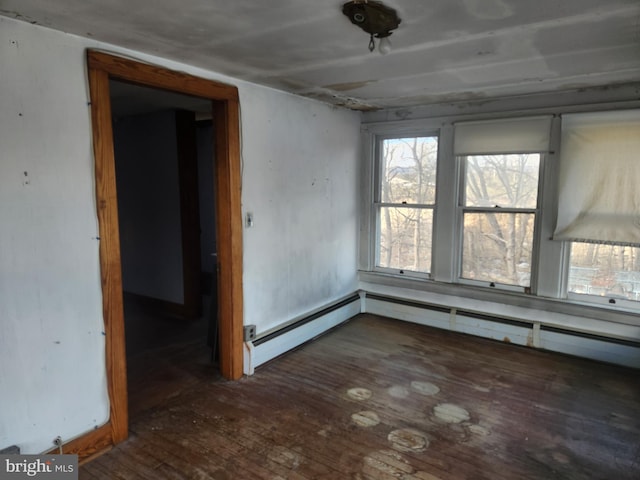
point(511, 305)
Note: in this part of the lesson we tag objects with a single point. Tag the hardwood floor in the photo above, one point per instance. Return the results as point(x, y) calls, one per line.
point(381, 399)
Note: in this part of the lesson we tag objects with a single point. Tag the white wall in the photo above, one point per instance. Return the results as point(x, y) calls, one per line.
point(146, 153)
point(299, 180)
point(52, 369)
point(300, 183)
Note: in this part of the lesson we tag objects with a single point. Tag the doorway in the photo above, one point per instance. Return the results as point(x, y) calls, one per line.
point(164, 158)
point(225, 113)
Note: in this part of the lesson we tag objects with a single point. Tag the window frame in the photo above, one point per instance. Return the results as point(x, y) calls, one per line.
point(600, 301)
point(550, 267)
point(377, 204)
point(607, 301)
point(461, 209)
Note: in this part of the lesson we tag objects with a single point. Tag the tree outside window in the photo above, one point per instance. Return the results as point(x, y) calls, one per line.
point(406, 201)
point(499, 207)
point(611, 271)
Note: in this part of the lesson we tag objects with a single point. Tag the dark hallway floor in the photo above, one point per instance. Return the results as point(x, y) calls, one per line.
point(161, 351)
point(147, 327)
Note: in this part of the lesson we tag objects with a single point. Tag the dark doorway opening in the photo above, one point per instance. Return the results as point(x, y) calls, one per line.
point(165, 176)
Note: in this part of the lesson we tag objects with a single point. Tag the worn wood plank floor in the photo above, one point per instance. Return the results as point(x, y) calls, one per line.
point(381, 399)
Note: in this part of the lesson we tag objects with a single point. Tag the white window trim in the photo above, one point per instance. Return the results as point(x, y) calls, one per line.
point(461, 209)
point(375, 194)
point(603, 301)
point(550, 272)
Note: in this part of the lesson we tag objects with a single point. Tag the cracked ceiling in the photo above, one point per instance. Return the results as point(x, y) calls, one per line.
point(443, 51)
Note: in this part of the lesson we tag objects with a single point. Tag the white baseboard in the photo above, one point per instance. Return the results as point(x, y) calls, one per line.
point(526, 332)
point(262, 350)
point(594, 348)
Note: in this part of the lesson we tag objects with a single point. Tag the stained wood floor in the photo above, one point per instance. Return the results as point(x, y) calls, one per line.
point(381, 399)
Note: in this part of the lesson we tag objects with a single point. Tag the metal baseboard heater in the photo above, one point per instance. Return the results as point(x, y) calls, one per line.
point(298, 332)
point(497, 327)
point(510, 330)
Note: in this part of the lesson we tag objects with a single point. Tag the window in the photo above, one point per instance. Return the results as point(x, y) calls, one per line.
point(598, 205)
point(543, 205)
point(405, 202)
point(499, 163)
point(498, 208)
point(610, 271)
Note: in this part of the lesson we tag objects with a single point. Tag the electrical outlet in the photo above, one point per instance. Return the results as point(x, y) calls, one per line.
point(249, 333)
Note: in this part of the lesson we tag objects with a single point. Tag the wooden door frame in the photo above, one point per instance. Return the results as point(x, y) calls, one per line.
point(102, 67)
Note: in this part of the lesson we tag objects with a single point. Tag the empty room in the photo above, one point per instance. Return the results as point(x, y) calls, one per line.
point(305, 239)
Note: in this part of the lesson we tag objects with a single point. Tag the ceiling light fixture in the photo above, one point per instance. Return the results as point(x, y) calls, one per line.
point(376, 19)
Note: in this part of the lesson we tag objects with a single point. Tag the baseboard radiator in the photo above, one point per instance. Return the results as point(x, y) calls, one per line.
point(532, 334)
point(298, 332)
point(508, 330)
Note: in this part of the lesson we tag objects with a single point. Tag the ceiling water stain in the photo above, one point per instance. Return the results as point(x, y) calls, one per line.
point(345, 87)
point(452, 98)
point(293, 84)
point(18, 16)
point(333, 94)
point(339, 100)
point(363, 108)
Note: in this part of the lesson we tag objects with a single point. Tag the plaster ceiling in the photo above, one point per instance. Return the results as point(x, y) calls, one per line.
point(443, 51)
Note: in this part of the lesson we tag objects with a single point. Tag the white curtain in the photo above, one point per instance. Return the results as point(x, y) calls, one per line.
point(512, 135)
point(599, 180)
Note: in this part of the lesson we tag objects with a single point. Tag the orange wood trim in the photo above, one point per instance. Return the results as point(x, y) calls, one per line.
point(159, 77)
point(110, 271)
point(189, 211)
point(89, 445)
point(229, 213)
point(229, 228)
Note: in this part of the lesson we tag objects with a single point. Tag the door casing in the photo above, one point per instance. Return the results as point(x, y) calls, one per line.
point(225, 108)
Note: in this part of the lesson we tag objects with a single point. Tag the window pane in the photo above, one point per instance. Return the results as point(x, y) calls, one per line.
point(497, 247)
point(606, 270)
point(405, 238)
point(408, 173)
point(502, 180)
